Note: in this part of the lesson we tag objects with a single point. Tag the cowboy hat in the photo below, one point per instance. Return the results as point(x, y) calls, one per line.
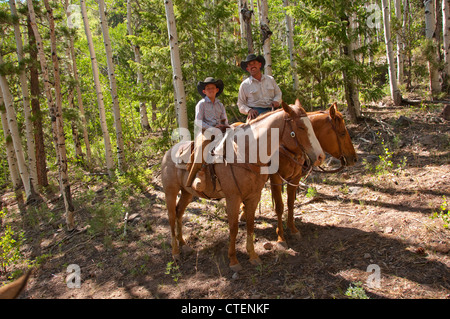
point(252, 57)
point(210, 80)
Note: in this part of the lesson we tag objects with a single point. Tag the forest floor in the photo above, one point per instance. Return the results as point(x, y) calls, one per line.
point(365, 215)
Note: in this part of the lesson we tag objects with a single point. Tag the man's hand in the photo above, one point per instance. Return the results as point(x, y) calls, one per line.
point(275, 104)
point(252, 114)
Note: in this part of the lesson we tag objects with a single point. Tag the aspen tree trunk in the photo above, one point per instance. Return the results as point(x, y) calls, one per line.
point(430, 34)
point(400, 55)
point(10, 154)
point(290, 41)
point(73, 124)
point(61, 143)
point(245, 19)
point(446, 41)
point(15, 135)
point(98, 89)
point(395, 92)
point(140, 79)
point(265, 34)
point(26, 102)
point(113, 86)
point(71, 49)
point(180, 97)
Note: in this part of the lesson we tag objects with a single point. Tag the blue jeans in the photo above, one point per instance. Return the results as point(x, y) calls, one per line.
point(262, 110)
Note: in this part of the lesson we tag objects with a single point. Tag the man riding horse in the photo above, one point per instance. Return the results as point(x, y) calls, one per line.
point(259, 93)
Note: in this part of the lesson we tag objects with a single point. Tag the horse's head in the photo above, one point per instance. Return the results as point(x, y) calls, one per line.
point(333, 136)
point(299, 134)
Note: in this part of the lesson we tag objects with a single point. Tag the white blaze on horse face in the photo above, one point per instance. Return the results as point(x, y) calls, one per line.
point(318, 156)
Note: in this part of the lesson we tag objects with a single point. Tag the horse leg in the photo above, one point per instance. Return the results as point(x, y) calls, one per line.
point(291, 193)
point(249, 209)
point(233, 204)
point(279, 209)
point(184, 200)
point(171, 203)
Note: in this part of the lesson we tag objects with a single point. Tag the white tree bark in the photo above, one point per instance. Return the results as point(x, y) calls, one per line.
point(180, 95)
point(395, 92)
point(98, 90)
point(290, 41)
point(29, 128)
point(265, 33)
point(140, 79)
point(113, 86)
point(245, 21)
point(78, 88)
point(61, 141)
point(15, 135)
point(10, 154)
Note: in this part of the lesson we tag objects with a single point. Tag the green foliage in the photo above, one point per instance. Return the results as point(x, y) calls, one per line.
point(385, 162)
point(443, 213)
point(312, 192)
point(173, 270)
point(10, 244)
point(356, 291)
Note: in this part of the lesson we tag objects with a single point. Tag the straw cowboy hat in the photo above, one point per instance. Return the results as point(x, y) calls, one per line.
point(252, 57)
point(210, 80)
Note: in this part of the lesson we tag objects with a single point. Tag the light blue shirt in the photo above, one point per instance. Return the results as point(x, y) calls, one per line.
point(209, 114)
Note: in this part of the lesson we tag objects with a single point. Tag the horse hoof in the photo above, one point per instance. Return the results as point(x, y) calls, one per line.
point(256, 262)
point(176, 257)
point(236, 268)
point(187, 250)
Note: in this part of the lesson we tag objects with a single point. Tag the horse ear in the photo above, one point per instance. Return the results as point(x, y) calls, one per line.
point(286, 107)
point(333, 110)
point(297, 103)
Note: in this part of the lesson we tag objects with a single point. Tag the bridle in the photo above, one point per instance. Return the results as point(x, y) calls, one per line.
point(306, 165)
point(341, 158)
point(289, 153)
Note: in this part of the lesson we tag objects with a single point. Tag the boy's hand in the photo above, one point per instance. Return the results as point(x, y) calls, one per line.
point(222, 127)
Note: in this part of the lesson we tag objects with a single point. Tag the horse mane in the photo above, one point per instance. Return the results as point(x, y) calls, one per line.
point(261, 117)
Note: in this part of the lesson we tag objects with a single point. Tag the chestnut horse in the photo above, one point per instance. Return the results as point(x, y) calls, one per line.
point(238, 182)
point(334, 139)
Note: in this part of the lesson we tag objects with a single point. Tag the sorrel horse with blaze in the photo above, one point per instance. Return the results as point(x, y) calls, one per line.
point(329, 128)
point(238, 182)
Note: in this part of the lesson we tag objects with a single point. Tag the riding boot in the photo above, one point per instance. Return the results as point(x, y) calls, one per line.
point(199, 183)
point(194, 177)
